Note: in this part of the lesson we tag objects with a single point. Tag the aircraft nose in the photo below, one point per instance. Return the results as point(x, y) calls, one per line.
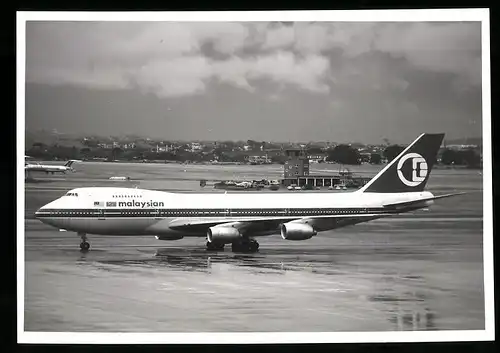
point(40, 212)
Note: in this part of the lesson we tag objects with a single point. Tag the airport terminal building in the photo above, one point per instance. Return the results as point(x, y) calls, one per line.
point(296, 172)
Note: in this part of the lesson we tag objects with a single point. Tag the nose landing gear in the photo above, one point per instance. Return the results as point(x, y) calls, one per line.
point(245, 246)
point(84, 245)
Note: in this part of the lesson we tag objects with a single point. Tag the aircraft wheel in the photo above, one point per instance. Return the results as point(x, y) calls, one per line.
point(236, 247)
point(245, 246)
point(214, 246)
point(253, 246)
point(84, 246)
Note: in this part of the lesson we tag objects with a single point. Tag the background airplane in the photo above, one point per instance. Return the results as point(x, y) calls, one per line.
point(35, 167)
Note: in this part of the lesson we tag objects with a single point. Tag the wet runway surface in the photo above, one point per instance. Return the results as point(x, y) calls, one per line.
point(421, 271)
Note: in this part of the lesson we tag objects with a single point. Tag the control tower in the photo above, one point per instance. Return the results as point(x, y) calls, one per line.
point(296, 172)
point(296, 163)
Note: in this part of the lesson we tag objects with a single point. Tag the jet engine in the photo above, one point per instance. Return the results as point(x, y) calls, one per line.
point(297, 231)
point(223, 235)
point(169, 237)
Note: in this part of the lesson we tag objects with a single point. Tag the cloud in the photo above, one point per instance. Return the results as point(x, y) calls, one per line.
point(176, 77)
point(439, 47)
point(189, 75)
point(312, 38)
point(447, 47)
point(227, 37)
point(233, 71)
point(168, 57)
point(280, 37)
point(284, 67)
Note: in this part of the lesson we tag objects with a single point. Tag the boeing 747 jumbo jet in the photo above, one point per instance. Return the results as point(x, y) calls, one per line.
point(235, 218)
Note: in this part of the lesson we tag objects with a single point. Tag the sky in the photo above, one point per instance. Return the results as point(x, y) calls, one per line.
point(269, 81)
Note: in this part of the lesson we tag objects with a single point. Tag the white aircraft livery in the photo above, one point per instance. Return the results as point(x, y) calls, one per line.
point(237, 218)
point(46, 168)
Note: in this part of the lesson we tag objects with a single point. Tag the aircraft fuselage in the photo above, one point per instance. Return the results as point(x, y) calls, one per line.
point(124, 211)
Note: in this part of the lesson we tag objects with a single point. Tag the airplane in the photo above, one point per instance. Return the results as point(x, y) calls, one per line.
point(37, 167)
point(244, 184)
point(120, 178)
point(237, 219)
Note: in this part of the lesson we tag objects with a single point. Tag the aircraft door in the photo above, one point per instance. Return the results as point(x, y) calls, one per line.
point(157, 213)
point(100, 214)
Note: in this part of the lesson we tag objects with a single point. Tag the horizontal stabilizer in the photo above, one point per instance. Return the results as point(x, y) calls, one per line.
point(416, 202)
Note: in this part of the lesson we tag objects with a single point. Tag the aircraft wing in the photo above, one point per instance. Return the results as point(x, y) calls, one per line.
point(257, 223)
point(416, 202)
point(267, 223)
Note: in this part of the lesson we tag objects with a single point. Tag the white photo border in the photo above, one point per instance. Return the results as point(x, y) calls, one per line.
point(442, 15)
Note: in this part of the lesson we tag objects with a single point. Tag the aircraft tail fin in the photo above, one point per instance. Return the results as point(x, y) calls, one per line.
point(410, 170)
point(70, 163)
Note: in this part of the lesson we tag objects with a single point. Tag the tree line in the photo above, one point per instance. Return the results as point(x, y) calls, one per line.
point(345, 154)
point(342, 154)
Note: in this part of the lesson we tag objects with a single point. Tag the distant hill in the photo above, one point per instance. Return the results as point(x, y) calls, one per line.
point(51, 138)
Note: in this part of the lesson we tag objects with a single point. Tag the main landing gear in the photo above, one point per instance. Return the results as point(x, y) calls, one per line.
point(215, 246)
point(84, 245)
point(245, 246)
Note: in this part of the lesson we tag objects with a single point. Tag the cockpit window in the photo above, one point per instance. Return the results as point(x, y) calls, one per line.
point(71, 194)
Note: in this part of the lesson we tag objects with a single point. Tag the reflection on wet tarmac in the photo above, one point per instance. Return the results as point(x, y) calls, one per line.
point(203, 261)
point(339, 285)
point(406, 311)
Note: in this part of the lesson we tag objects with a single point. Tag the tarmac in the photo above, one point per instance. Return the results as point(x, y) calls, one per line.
point(419, 271)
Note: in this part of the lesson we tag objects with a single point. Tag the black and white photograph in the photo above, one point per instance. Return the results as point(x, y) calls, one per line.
point(252, 177)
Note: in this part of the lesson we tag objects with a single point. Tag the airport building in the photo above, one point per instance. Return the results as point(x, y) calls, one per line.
point(296, 164)
point(296, 172)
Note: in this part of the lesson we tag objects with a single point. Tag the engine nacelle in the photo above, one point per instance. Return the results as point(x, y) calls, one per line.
point(297, 231)
point(223, 235)
point(169, 237)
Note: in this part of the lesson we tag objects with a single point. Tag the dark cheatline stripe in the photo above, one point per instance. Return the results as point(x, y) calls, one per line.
point(240, 212)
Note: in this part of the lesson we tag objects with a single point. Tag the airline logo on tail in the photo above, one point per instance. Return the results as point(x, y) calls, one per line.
point(419, 169)
point(410, 170)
